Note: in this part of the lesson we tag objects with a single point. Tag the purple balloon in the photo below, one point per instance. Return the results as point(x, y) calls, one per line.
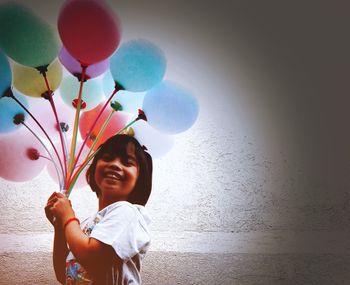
point(73, 65)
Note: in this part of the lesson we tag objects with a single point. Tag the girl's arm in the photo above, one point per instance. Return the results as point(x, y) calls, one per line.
point(92, 254)
point(60, 249)
point(60, 252)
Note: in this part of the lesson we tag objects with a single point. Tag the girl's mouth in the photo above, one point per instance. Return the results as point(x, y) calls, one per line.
point(113, 175)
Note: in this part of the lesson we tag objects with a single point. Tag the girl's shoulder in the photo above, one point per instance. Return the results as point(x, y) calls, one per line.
point(126, 208)
point(120, 205)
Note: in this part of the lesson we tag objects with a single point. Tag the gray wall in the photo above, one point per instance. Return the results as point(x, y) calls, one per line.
point(257, 192)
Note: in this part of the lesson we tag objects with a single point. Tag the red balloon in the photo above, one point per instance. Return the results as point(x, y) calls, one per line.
point(117, 122)
point(89, 30)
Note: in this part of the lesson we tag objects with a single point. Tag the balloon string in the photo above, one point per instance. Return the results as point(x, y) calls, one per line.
point(52, 103)
point(65, 146)
point(93, 126)
point(76, 123)
point(43, 130)
point(77, 173)
point(43, 156)
point(87, 160)
point(101, 131)
point(48, 152)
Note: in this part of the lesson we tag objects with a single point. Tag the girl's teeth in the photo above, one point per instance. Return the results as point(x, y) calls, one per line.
point(113, 176)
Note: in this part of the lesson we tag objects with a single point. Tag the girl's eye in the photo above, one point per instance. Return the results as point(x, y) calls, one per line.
point(129, 161)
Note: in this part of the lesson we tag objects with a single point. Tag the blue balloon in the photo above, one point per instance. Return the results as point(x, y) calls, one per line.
point(129, 101)
point(170, 108)
point(9, 108)
point(138, 65)
point(5, 74)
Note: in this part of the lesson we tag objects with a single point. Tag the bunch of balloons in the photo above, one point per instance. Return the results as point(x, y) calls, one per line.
point(61, 99)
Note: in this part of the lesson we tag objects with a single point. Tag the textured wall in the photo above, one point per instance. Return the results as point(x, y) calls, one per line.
point(257, 191)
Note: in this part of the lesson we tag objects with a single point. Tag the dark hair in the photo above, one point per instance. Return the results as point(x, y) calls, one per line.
point(117, 145)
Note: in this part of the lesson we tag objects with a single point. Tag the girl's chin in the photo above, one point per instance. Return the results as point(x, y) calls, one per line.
point(110, 186)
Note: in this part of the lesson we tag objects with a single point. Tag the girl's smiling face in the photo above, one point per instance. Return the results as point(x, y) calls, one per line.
point(116, 175)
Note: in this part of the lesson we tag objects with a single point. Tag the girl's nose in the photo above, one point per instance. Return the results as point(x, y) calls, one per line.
point(115, 163)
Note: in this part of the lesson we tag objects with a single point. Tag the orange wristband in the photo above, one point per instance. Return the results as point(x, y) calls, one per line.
point(70, 220)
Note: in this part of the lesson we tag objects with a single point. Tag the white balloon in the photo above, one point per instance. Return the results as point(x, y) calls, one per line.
point(156, 142)
point(170, 108)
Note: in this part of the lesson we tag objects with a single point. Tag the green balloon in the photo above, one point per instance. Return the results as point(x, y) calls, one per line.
point(25, 37)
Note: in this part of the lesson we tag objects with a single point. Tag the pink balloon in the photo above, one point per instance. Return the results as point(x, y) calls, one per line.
point(20, 158)
point(81, 182)
point(74, 67)
point(89, 30)
point(42, 111)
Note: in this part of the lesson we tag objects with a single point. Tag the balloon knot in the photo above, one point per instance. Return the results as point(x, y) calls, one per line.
point(64, 127)
point(80, 76)
point(42, 69)
point(18, 119)
point(47, 94)
point(7, 93)
point(118, 86)
point(141, 116)
point(75, 104)
point(116, 106)
point(92, 137)
point(33, 154)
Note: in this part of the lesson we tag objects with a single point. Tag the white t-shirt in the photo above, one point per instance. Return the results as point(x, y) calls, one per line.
point(124, 226)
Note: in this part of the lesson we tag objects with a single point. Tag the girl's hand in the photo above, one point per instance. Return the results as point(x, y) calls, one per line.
point(62, 208)
point(49, 215)
point(58, 209)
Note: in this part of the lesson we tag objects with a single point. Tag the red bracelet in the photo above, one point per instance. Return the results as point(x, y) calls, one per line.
point(70, 220)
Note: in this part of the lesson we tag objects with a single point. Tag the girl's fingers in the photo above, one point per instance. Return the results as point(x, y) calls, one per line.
point(49, 205)
point(52, 195)
point(52, 200)
point(56, 195)
point(60, 195)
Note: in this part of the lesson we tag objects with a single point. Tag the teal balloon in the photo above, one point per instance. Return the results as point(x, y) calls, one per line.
point(138, 65)
point(170, 108)
point(9, 108)
point(25, 37)
point(91, 95)
point(5, 74)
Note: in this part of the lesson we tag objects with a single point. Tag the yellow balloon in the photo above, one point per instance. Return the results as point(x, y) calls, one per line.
point(31, 82)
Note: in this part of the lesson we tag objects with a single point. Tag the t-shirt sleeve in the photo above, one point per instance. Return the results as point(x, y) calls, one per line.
point(124, 229)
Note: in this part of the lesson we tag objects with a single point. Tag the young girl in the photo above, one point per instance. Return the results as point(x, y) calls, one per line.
point(108, 247)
